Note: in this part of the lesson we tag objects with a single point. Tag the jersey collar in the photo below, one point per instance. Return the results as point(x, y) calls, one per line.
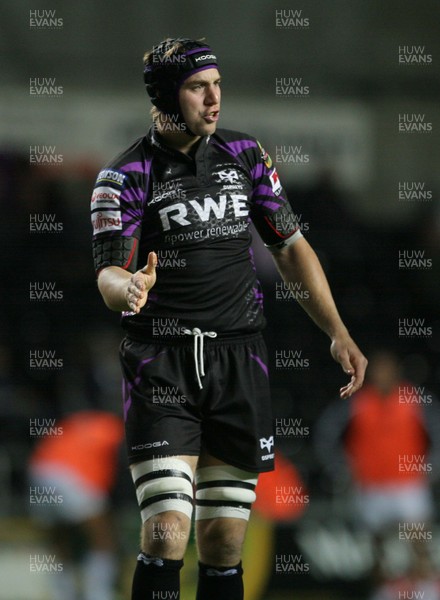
point(157, 142)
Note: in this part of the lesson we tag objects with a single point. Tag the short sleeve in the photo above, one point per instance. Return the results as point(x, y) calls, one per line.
point(116, 213)
point(271, 211)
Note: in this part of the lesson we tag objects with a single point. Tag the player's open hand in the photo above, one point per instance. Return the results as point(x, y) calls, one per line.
point(353, 362)
point(141, 283)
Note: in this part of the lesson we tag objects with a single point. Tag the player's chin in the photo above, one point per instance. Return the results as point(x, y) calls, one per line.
point(203, 128)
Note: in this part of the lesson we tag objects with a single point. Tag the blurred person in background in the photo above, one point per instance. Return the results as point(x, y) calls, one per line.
point(181, 198)
point(386, 439)
point(269, 510)
point(72, 471)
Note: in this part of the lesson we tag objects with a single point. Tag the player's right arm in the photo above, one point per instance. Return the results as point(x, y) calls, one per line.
point(117, 207)
point(122, 290)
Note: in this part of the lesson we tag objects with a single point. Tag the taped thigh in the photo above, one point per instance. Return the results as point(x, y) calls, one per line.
point(224, 491)
point(163, 484)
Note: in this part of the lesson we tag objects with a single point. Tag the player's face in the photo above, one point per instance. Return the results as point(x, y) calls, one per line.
point(199, 98)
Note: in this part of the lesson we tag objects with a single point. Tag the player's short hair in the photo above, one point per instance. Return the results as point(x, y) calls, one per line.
point(175, 47)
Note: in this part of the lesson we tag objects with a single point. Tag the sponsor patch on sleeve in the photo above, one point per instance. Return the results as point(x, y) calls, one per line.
point(105, 197)
point(106, 220)
point(275, 181)
point(111, 176)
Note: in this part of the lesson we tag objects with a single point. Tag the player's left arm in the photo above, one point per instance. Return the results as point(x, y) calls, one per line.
point(298, 264)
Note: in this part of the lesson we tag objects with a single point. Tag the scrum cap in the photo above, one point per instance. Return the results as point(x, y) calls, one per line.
point(164, 72)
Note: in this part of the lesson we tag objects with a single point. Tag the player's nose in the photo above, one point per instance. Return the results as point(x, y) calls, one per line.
point(212, 95)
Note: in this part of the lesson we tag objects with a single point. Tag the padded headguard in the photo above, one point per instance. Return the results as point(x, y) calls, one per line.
point(165, 70)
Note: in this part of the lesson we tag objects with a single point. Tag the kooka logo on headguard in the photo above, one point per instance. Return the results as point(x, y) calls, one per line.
point(266, 443)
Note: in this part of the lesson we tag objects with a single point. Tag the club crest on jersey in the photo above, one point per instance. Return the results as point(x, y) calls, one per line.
point(227, 176)
point(275, 181)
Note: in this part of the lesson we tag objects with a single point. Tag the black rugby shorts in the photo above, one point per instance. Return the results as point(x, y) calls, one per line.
point(166, 413)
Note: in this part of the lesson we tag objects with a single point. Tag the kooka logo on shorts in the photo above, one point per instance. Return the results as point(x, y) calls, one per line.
point(149, 445)
point(229, 175)
point(267, 444)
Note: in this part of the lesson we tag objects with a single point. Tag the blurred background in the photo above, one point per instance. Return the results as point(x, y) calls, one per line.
point(344, 96)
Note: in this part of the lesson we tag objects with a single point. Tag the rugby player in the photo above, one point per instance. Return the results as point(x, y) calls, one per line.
point(195, 381)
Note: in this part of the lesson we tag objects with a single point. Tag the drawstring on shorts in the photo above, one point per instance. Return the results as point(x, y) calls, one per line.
point(198, 350)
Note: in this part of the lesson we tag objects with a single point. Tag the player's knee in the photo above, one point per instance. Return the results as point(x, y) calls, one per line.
point(220, 541)
point(224, 497)
point(166, 534)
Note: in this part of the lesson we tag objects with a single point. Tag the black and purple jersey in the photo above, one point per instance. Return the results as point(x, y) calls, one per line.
point(194, 211)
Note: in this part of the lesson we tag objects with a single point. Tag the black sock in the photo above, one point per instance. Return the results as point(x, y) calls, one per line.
point(156, 578)
point(220, 583)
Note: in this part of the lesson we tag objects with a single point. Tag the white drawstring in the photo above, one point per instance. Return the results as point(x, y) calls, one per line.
point(198, 350)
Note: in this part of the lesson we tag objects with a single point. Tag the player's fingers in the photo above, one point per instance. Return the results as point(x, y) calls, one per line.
point(149, 271)
point(354, 384)
point(133, 296)
point(357, 379)
point(344, 360)
point(360, 363)
point(134, 290)
point(346, 391)
point(150, 267)
point(139, 284)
